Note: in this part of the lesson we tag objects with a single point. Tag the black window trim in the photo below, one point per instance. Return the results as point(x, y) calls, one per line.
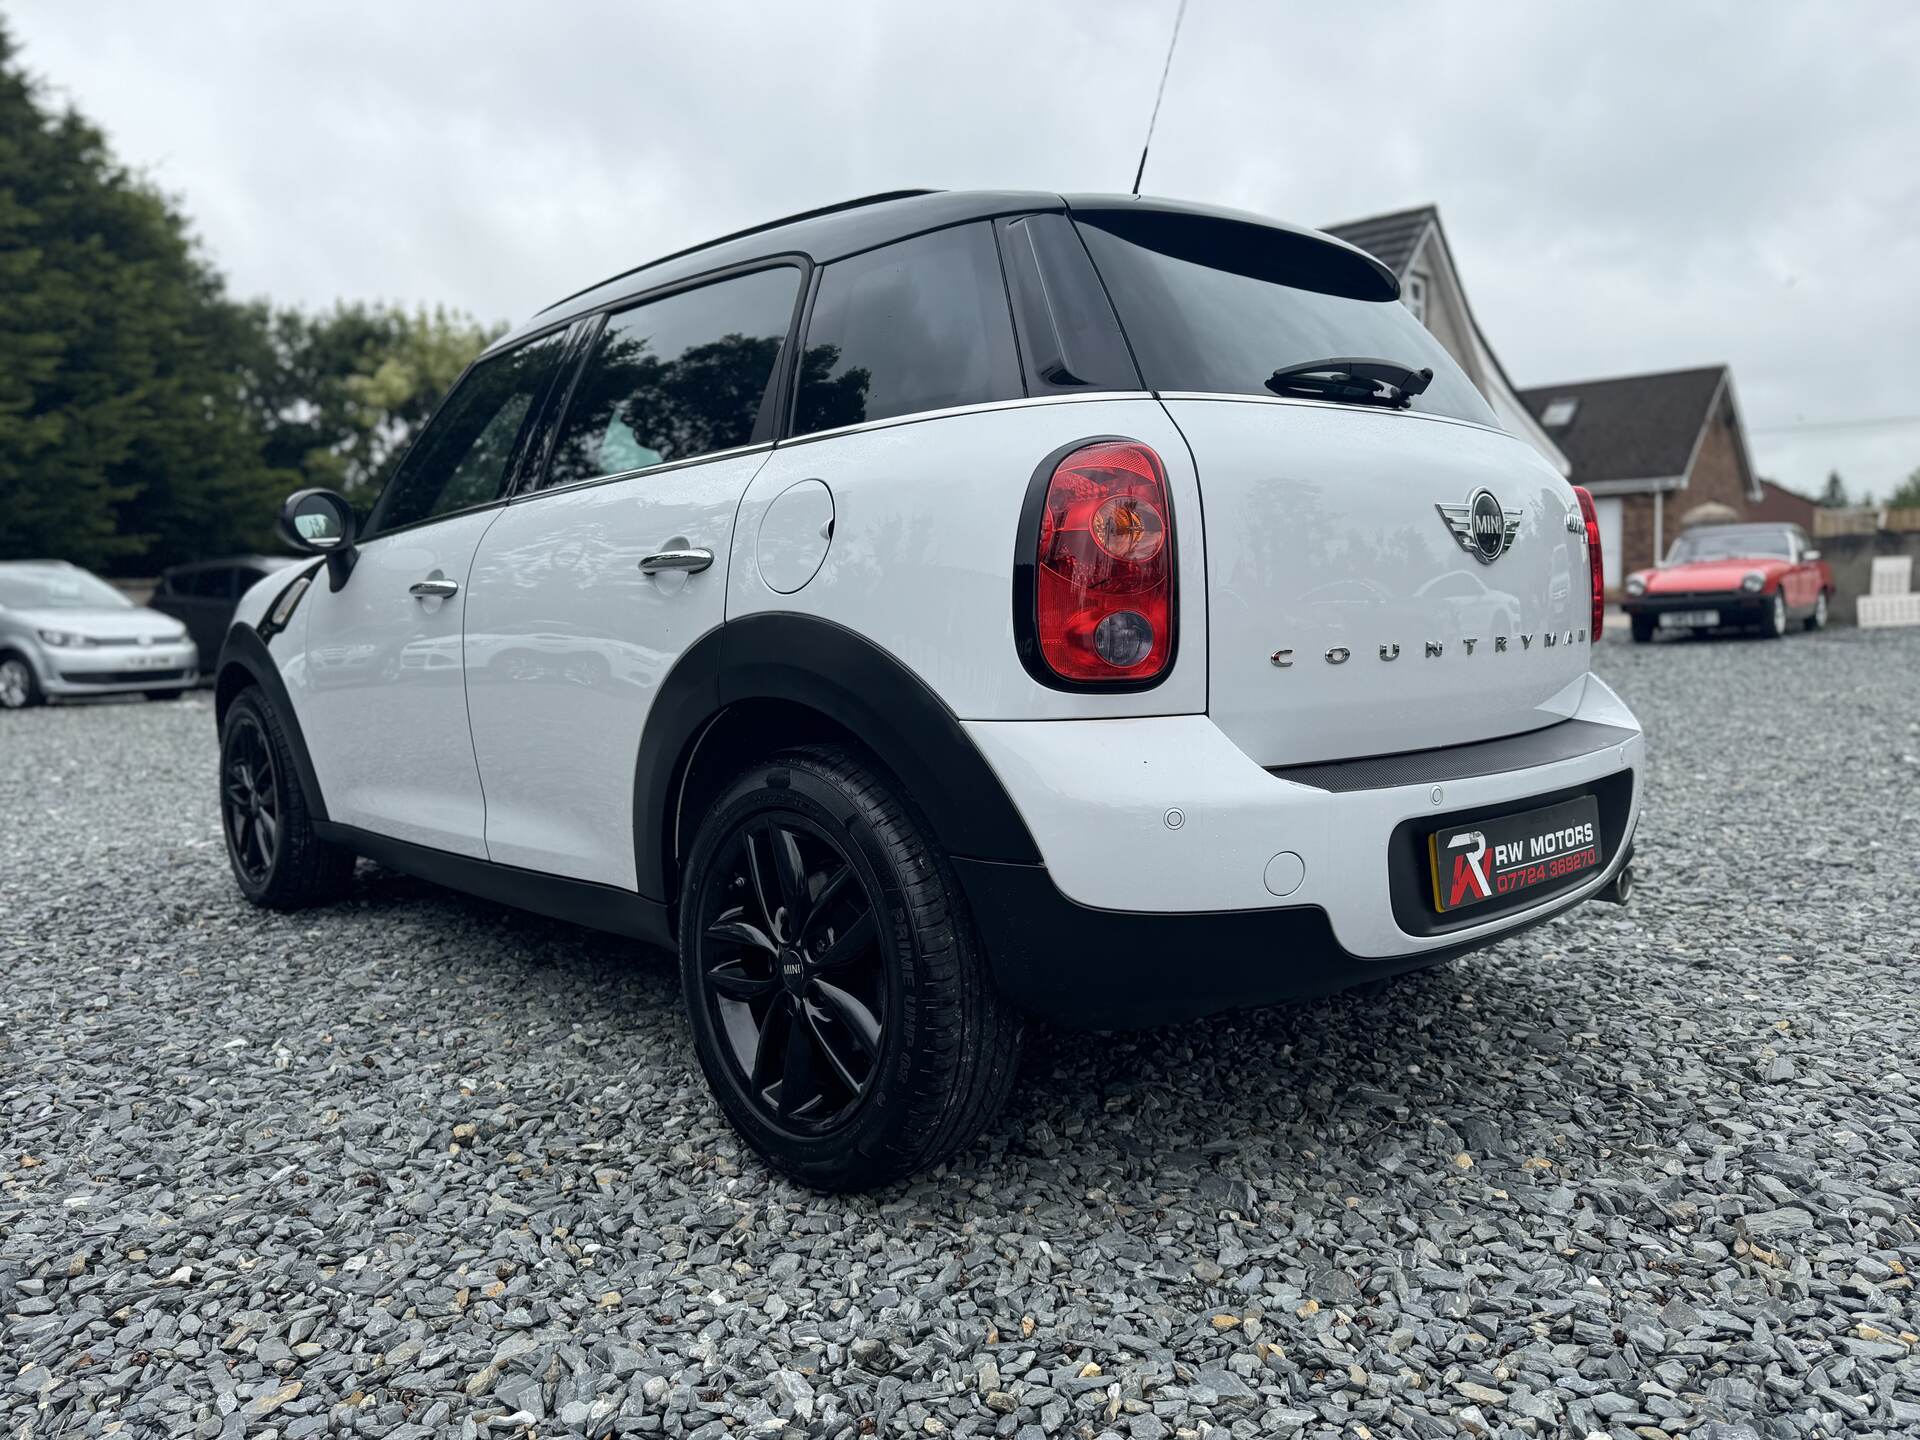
point(527, 427)
point(528, 482)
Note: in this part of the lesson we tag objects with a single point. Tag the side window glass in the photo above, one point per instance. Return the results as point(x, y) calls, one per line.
point(677, 377)
point(463, 457)
point(918, 325)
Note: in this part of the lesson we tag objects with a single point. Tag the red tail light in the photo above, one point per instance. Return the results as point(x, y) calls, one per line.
point(1103, 609)
point(1596, 562)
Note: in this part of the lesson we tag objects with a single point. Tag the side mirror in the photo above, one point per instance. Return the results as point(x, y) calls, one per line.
point(1810, 555)
point(321, 522)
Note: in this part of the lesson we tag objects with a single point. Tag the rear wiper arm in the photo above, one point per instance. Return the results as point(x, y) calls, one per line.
point(1352, 380)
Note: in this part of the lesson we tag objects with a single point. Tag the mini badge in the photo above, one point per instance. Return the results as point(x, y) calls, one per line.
point(1483, 528)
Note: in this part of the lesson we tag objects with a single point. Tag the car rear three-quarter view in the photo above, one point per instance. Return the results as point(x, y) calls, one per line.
point(946, 611)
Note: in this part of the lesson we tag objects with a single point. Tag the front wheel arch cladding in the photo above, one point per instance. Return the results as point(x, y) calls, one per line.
point(245, 660)
point(849, 681)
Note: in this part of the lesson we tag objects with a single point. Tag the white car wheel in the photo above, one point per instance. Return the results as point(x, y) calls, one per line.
point(1777, 616)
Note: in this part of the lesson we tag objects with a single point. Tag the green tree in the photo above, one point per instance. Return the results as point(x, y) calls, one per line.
point(338, 395)
point(1907, 497)
point(1833, 495)
point(124, 442)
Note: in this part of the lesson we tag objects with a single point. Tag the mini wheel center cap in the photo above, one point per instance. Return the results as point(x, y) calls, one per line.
point(793, 969)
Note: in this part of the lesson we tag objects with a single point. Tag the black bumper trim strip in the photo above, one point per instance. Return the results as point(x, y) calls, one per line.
point(1562, 741)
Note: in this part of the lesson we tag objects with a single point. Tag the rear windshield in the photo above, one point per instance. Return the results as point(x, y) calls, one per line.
point(1217, 306)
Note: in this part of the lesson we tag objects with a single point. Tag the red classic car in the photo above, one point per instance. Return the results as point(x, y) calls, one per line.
point(1758, 577)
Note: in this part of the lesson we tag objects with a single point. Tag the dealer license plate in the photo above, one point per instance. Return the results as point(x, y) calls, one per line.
point(151, 662)
point(1481, 860)
point(1689, 619)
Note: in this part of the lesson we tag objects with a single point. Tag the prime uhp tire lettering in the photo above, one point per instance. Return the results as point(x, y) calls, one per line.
point(948, 1043)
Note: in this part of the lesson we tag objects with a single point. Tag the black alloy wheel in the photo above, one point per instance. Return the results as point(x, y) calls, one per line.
point(841, 1006)
point(250, 802)
point(277, 859)
point(794, 973)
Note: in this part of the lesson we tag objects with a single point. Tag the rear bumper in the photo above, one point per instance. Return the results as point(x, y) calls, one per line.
point(1179, 877)
point(1735, 607)
point(1091, 969)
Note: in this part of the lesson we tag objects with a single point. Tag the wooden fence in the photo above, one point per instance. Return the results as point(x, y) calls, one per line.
point(1866, 521)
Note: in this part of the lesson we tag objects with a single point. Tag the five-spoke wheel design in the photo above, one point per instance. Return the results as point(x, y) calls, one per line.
point(791, 963)
point(248, 801)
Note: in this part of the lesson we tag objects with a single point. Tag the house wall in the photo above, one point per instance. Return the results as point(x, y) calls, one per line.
point(1716, 476)
point(1784, 506)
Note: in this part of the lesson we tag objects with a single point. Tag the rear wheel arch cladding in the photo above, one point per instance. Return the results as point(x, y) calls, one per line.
point(816, 667)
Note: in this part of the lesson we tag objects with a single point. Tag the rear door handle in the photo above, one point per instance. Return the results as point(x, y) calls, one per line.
point(434, 589)
point(691, 561)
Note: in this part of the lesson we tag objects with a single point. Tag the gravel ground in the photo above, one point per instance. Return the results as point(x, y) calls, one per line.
point(418, 1165)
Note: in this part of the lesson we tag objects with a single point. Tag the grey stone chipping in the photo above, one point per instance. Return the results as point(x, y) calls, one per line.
point(419, 1165)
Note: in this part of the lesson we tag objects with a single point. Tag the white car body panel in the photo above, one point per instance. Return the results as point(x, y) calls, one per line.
point(1323, 538)
point(923, 547)
point(381, 697)
point(258, 597)
point(1109, 844)
point(566, 646)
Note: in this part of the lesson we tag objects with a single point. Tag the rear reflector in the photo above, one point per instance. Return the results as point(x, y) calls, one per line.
point(1596, 562)
point(1101, 581)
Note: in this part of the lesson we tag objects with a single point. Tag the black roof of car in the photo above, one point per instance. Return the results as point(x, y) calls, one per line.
point(837, 231)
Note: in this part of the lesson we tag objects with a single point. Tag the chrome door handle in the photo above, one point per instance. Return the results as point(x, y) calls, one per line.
point(691, 561)
point(433, 589)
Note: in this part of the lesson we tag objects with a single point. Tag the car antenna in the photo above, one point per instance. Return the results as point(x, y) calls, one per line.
point(1172, 40)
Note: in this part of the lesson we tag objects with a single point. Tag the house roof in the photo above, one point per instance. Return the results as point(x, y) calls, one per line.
point(1399, 237)
point(1632, 427)
point(1391, 239)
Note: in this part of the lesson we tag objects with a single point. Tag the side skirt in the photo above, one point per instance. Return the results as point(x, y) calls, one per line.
point(582, 902)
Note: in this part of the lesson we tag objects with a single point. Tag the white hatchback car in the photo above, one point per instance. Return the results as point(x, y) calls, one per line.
point(920, 613)
point(66, 634)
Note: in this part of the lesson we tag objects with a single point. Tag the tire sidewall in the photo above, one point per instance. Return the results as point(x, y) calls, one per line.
point(1777, 616)
point(249, 708)
point(33, 681)
point(791, 786)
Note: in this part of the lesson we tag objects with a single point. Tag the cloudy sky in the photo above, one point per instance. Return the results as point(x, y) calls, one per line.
point(1626, 186)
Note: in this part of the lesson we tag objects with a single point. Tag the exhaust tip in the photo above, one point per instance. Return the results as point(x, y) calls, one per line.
point(1619, 890)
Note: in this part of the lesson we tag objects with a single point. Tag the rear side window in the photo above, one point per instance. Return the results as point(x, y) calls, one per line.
point(676, 378)
point(1216, 306)
point(463, 458)
point(918, 325)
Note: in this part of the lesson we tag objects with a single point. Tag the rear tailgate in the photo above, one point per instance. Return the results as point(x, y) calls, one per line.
point(1345, 616)
point(1391, 572)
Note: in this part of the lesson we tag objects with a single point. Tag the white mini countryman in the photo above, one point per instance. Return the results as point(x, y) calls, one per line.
point(944, 610)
